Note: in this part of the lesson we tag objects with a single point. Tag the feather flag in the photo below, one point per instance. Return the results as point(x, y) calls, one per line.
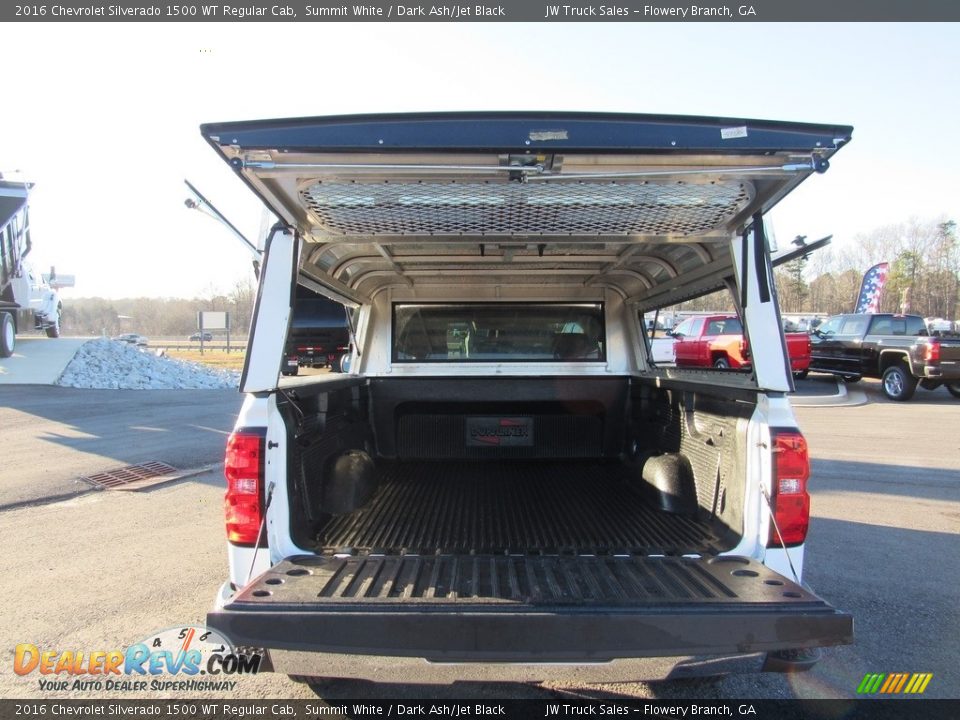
point(871, 288)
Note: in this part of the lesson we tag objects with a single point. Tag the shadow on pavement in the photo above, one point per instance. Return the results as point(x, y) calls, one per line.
point(54, 434)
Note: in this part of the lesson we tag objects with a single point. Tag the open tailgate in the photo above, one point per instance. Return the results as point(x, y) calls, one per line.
point(528, 608)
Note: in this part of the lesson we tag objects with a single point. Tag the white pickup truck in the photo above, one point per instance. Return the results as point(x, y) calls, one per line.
point(504, 486)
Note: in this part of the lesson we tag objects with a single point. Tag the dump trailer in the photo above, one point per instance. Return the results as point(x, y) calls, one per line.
point(28, 299)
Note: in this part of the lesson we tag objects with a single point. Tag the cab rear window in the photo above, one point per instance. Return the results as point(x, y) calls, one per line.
point(498, 332)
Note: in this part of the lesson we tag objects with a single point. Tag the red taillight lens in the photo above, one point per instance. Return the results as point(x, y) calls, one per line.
point(791, 502)
point(932, 354)
point(243, 502)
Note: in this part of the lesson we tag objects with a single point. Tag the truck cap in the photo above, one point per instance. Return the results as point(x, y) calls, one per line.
point(437, 201)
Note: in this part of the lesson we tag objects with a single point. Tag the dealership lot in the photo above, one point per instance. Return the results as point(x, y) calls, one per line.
point(102, 570)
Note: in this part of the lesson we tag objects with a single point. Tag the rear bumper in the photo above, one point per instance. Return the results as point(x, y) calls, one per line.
point(402, 670)
point(678, 608)
point(948, 372)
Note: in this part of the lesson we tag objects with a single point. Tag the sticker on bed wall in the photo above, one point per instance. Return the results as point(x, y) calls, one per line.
point(733, 132)
point(499, 432)
point(548, 135)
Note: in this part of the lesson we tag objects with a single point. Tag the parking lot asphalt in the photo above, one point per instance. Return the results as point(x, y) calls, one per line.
point(103, 570)
point(38, 360)
point(50, 435)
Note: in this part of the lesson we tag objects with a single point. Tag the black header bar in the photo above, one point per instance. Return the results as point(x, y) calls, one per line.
point(446, 708)
point(711, 11)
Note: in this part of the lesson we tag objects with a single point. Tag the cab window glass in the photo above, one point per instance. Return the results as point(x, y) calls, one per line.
point(915, 326)
point(885, 326)
point(854, 326)
point(831, 326)
point(685, 328)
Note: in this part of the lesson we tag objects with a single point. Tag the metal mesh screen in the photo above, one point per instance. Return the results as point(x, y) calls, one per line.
point(513, 208)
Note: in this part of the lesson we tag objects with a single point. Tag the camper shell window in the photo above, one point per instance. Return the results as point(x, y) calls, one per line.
point(496, 332)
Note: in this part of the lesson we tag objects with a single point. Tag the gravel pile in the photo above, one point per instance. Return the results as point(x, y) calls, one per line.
point(115, 365)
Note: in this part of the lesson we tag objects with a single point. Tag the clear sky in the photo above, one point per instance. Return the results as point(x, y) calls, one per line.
point(104, 117)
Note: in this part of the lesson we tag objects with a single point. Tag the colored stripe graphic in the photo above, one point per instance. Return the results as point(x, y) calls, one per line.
point(871, 683)
point(891, 682)
point(918, 683)
point(894, 683)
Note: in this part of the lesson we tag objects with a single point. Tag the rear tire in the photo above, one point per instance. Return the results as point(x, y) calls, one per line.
point(897, 383)
point(852, 379)
point(721, 363)
point(8, 335)
point(954, 389)
point(343, 363)
point(802, 375)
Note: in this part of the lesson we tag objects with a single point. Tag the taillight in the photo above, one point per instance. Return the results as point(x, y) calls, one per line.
point(744, 348)
point(243, 502)
point(932, 353)
point(790, 500)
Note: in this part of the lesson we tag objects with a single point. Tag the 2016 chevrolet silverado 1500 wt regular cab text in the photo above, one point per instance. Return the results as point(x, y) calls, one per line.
point(504, 486)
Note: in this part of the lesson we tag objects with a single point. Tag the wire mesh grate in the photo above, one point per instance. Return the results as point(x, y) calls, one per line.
point(513, 208)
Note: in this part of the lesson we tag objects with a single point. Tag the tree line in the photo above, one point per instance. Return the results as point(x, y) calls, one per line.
point(923, 279)
point(157, 317)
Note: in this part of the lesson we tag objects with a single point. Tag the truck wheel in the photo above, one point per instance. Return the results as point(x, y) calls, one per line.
point(8, 335)
point(898, 384)
point(802, 375)
point(954, 389)
point(721, 363)
point(852, 379)
point(53, 331)
point(343, 363)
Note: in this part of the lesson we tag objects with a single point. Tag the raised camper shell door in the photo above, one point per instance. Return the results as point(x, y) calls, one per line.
point(636, 204)
point(271, 313)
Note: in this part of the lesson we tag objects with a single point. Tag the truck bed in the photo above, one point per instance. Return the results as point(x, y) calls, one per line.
point(574, 508)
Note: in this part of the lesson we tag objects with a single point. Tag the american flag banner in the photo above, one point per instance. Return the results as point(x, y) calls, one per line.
point(871, 288)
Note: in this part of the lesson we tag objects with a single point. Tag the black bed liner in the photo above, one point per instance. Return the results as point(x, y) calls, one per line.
point(513, 508)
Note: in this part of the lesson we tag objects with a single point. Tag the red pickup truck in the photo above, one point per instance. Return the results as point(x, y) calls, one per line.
point(718, 341)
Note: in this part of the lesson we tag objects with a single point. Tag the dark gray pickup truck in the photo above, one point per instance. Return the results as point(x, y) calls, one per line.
point(895, 348)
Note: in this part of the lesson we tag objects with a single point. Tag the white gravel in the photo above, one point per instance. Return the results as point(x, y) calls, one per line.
point(110, 364)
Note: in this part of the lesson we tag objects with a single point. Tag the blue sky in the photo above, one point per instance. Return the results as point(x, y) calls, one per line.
point(104, 118)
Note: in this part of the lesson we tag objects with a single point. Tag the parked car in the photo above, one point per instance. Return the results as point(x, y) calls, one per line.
point(895, 348)
point(319, 335)
point(663, 350)
point(207, 337)
point(132, 339)
point(718, 341)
